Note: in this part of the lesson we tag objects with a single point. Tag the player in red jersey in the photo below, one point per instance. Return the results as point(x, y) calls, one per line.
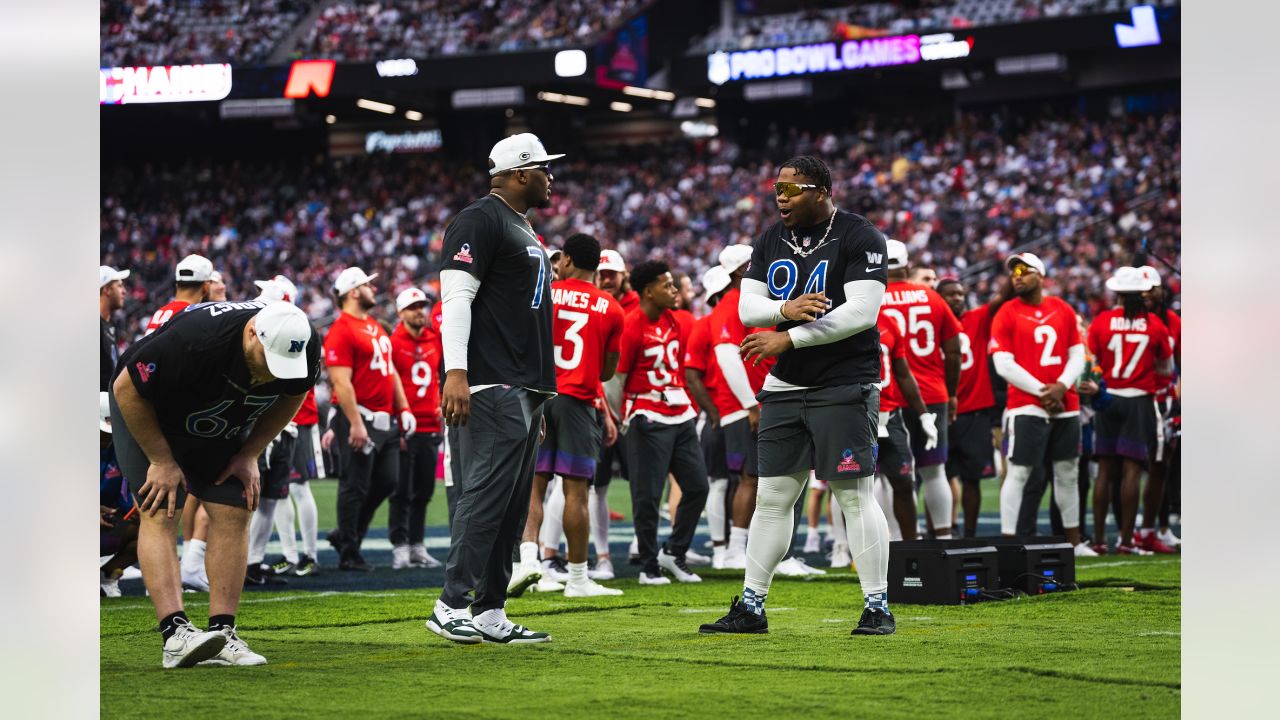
point(1164, 482)
point(368, 394)
point(586, 331)
point(972, 437)
point(416, 347)
point(1132, 347)
point(613, 278)
point(898, 389)
point(705, 383)
point(1037, 348)
point(192, 284)
point(933, 352)
point(662, 435)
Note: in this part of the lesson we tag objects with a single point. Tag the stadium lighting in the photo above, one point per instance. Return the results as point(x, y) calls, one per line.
point(647, 93)
point(330, 119)
point(556, 97)
point(620, 106)
point(704, 102)
point(413, 115)
point(376, 106)
point(571, 63)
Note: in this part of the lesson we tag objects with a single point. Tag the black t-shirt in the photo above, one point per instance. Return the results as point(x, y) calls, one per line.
point(855, 250)
point(193, 372)
point(510, 340)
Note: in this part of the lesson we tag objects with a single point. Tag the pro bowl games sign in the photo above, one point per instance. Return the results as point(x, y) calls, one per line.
point(826, 57)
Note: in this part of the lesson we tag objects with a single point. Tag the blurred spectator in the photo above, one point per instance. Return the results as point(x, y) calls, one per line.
point(180, 32)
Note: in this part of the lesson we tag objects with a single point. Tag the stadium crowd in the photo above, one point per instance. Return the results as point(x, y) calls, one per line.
point(178, 32)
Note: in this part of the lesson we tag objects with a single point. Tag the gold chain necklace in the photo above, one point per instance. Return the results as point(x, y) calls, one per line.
point(522, 217)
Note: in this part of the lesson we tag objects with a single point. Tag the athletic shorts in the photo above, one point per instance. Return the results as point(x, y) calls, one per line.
point(938, 455)
point(741, 453)
point(1031, 439)
point(574, 438)
point(831, 430)
point(970, 455)
point(308, 457)
point(713, 452)
point(201, 463)
point(895, 450)
point(1127, 427)
point(274, 467)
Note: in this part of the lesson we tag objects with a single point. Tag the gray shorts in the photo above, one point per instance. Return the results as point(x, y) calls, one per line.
point(895, 450)
point(713, 452)
point(741, 451)
point(831, 430)
point(308, 459)
point(574, 438)
point(1032, 439)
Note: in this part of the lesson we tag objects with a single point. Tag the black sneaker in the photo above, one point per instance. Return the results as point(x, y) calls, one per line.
point(306, 566)
point(557, 563)
point(739, 620)
point(256, 575)
point(282, 567)
point(875, 622)
point(354, 563)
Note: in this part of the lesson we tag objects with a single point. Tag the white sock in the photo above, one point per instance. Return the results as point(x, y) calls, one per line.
point(868, 532)
point(529, 554)
point(1066, 493)
point(937, 497)
point(260, 530)
point(193, 557)
point(772, 526)
point(716, 508)
point(1011, 497)
point(884, 496)
point(839, 534)
point(308, 516)
point(577, 573)
point(492, 619)
point(284, 528)
point(811, 531)
point(598, 505)
point(552, 514)
point(738, 539)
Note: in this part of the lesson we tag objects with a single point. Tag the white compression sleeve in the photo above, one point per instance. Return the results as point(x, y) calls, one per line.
point(308, 516)
point(937, 497)
point(735, 374)
point(1011, 497)
point(838, 532)
point(598, 502)
point(284, 528)
point(772, 526)
point(1074, 366)
point(553, 514)
point(1066, 492)
point(755, 306)
point(858, 312)
point(1015, 374)
point(868, 532)
point(884, 496)
point(260, 530)
point(716, 513)
point(457, 291)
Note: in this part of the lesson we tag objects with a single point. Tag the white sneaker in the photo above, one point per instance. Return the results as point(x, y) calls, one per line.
point(494, 627)
point(195, 579)
point(694, 558)
point(235, 652)
point(792, 567)
point(813, 543)
point(588, 588)
point(840, 557)
point(735, 559)
point(455, 625)
point(554, 569)
point(419, 556)
point(522, 576)
point(131, 573)
point(189, 645)
point(110, 585)
point(1083, 550)
point(659, 579)
point(678, 567)
point(717, 557)
point(633, 550)
point(1167, 537)
point(809, 569)
point(602, 571)
point(400, 557)
point(547, 585)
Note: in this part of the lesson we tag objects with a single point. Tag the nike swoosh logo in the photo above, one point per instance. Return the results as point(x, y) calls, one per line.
point(873, 269)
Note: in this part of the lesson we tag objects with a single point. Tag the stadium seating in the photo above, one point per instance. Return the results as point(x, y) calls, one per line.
point(176, 32)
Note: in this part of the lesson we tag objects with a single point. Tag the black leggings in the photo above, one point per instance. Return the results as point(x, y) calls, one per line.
point(414, 491)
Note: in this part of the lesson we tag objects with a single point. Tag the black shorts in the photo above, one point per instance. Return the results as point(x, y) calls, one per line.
point(938, 455)
point(831, 430)
point(574, 438)
point(741, 452)
point(275, 465)
point(895, 449)
point(201, 463)
point(308, 458)
point(1032, 439)
point(713, 452)
point(971, 455)
point(1127, 428)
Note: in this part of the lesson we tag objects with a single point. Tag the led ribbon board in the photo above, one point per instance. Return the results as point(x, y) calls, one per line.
point(825, 57)
point(163, 84)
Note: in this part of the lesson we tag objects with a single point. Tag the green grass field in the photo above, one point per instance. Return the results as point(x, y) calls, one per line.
point(1112, 646)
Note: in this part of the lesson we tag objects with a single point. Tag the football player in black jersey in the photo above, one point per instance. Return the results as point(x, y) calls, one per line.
point(192, 407)
point(818, 275)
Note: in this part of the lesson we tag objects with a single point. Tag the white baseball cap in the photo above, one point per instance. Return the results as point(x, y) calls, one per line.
point(1129, 280)
point(897, 252)
point(277, 289)
point(108, 274)
point(409, 297)
point(1151, 274)
point(104, 412)
point(350, 279)
point(611, 260)
point(518, 151)
point(194, 268)
point(1028, 259)
point(284, 332)
point(715, 279)
point(734, 257)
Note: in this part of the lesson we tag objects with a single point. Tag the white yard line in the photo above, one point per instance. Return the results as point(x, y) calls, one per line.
point(281, 598)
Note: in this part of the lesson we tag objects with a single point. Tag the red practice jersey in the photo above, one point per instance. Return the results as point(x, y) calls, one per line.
point(164, 314)
point(651, 354)
point(975, 374)
point(686, 320)
point(727, 329)
point(1129, 350)
point(629, 301)
point(417, 359)
point(1039, 337)
point(891, 346)
point(926, 321)
point(586, 324)
point(363, 346)
point(699, 356)
point(308, 414)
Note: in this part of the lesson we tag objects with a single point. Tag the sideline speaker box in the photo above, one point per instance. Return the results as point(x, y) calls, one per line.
point(1034, 565)
point(940, 572)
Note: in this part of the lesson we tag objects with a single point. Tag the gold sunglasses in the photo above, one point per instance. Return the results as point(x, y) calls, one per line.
point(790, 189)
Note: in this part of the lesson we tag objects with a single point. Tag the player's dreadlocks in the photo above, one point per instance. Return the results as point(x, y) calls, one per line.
point(812, 168)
